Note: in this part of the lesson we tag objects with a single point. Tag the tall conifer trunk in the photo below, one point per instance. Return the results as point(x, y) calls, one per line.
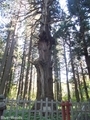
point(44, 71)
point(74, 78)
point(66, 67)
point(44, 63)
point(82, 37)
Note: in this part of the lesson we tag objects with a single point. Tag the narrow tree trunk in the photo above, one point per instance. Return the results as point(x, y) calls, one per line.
point(68, 90)
point(30, 82)
point(33, 91)
point(8, 60)
point(79, 84)
point(58, 90)
point(27, 71)
point(74, 78)
point(85, 86)
point(55, 90)
point(56, 81)
point(60, 86)
point(82, 37)
point(87, 58)
point(8, 85)
point(20, 87)
point(8, 65)
point(4, 59)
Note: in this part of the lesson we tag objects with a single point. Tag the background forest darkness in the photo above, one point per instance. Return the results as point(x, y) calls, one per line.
point(67, 40)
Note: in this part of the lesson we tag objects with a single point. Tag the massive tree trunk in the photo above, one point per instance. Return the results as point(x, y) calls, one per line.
point(44, 63)
point(44, 71)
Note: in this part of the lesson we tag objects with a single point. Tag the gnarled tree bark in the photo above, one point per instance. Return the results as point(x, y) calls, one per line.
point(44, 64)
point(44, 71)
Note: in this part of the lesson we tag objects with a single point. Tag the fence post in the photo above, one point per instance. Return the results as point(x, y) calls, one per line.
point(63, 111)
point(68, 105)
point(2, 105)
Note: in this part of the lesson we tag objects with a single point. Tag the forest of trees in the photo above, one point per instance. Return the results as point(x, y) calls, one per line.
point(44, 49)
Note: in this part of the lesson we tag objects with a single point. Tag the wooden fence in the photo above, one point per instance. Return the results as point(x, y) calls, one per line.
point(32, 110)
point(45, 110)
point(80, 111)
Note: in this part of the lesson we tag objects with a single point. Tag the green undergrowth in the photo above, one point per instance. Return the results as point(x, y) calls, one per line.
point(25, 115)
